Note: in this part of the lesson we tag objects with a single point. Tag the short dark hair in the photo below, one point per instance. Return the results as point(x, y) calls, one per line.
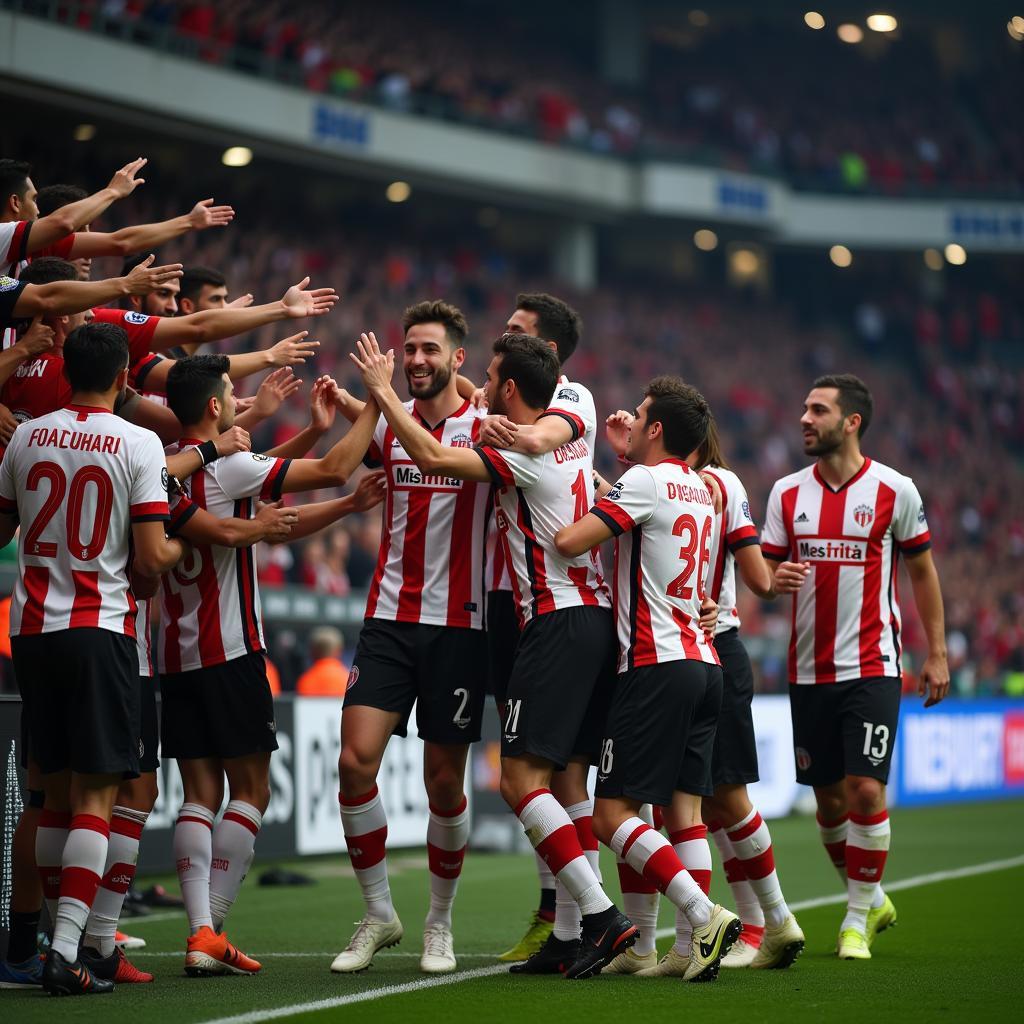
point(853, 397)
point(530, 362)
point(681, 410)
point(14, 175)
point(47, 269)
point(53, 197)
point(193, 279)
point(192, 382)
point(557, 321)
point(94, 354)
point(437, 311)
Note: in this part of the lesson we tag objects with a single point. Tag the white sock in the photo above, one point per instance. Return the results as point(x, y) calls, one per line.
point(447, 836)
point(234, 842)
point(867, 846)
point(126, 825)
point(366, 832)
point(752, 843)
point(193, 852)
point(85, 853)
point(51, 835)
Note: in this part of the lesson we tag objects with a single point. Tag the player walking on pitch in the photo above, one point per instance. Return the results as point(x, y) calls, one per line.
point(846, 520)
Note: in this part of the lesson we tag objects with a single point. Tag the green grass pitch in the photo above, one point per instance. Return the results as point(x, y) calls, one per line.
point(951, 956)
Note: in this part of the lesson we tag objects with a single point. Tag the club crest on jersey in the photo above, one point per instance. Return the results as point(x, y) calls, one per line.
point(133, 317)
point(863, 514)
point(461, 441)
point(353, 678)
point(745, 508)
point(7, 284)
point(803, 759)
point(257, 457)
point(567, 395)
point(164, 478)
point(920, 513)
point(616, 492)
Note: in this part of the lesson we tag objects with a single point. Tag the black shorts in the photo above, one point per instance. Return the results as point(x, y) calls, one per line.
point(502, 641)
point(148, 760)
point(83, 710)
point(660, 733)
point(561, 686)
point(440, 669)
point(842, 729)
point(734, 759)
point(223, 711)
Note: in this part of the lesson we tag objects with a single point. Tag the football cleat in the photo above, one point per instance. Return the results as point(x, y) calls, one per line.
point(741, 955)
point(556, 956)
point(369, 937)
point(438, 950)
point(128, 941)
point(536, 935)
point(63, 978)
point(853, 945)
point(710, 943)
point(671, 965)
point(26, 974)
point(601, 945)
point(631, 962)
point(208, 953)
point(116, 967)
point(780, 945)
point(881, 918)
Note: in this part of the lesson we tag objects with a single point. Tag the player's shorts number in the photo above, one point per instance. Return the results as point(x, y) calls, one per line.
point(58, 483)
point(607, 757)
point(463, 695)
point(512, 718)
point(876, 740)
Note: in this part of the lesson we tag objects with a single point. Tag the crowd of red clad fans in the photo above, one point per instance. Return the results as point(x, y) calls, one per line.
point(891, 115)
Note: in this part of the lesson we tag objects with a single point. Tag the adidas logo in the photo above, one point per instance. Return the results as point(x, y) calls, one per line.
point(802, 518)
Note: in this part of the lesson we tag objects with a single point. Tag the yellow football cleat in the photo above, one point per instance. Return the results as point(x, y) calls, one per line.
point(536, 935)
point(853, 945)
point(630, 962)
point(881, 918)
point(780, 945)
point(710, 943)
point(671, 965)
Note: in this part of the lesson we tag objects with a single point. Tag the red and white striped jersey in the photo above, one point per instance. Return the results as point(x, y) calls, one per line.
point(734, 529)
point(574, 403)
point(431, 563)
point(210, 602)
point(14, 238)
point(846, 616)
point(77, 479)
point(537, 495)
point(140, 328)
point(663, 517)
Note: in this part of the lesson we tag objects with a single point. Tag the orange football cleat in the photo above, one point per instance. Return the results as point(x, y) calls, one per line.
point(209, 953)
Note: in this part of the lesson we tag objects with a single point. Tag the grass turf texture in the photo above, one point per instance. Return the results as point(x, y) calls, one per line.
point(948, 957)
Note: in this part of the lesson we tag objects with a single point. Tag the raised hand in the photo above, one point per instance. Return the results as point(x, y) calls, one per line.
point(479, 399)
point(242, 302)
point(233, 440)
point(616, 430)
point(146, 278)
point(124, 182)
point(277, 521)
point(322, 408)
point(205, 215)
point(38, 338)
point(292, 350)
point(300, 303)
point(273, 390)
point(374, 365)
point(370, 492)
point(498, 432)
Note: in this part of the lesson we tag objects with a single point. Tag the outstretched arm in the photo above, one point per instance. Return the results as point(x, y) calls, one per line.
point(582, 536)
point(924, 579)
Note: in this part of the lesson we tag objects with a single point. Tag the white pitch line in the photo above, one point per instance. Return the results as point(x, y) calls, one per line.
point(132, 922)
point(258, 1016)
point(325, 954)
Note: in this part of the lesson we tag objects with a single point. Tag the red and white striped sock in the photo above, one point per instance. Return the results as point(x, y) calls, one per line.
point(694, 853)
point(126, 825)
point(85, 853)
point(366, 834)
point(640, 898)
point(193, 852)
point(447, 836)
point(553, 835)
point(650, 854)
point(867, 846)
point(582, 816)
point(752, 843)
point(833, 838)
point(743, 895)
point(51, 835)
point(234, 846)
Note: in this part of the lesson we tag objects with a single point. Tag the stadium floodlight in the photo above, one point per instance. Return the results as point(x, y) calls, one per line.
point(812, 19)
point(850, 33)
point(1015, 26)
point(84, 132)
point(882, 23)
point(237, 156)
point(956, 254)
point(398, 192)
point(745, 262)
point(840, 255)
point(933, 259)
point(705, 239)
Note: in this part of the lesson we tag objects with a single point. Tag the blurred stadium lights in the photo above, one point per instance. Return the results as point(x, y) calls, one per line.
point(850, 33)
point(956, 254)
point(705, 239)
point(744, 263)
point(398, 192)
point(1015, 26)
point(237, 156)
point(882, 23)
point(840, 255)
point(84, 132)
point(933, 259)
point(812, 19)
point(699, 18)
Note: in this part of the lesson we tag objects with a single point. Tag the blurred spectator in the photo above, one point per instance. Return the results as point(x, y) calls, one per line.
point(327, 676)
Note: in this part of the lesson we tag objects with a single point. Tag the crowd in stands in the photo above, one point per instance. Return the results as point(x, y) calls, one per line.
point(886, 116)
